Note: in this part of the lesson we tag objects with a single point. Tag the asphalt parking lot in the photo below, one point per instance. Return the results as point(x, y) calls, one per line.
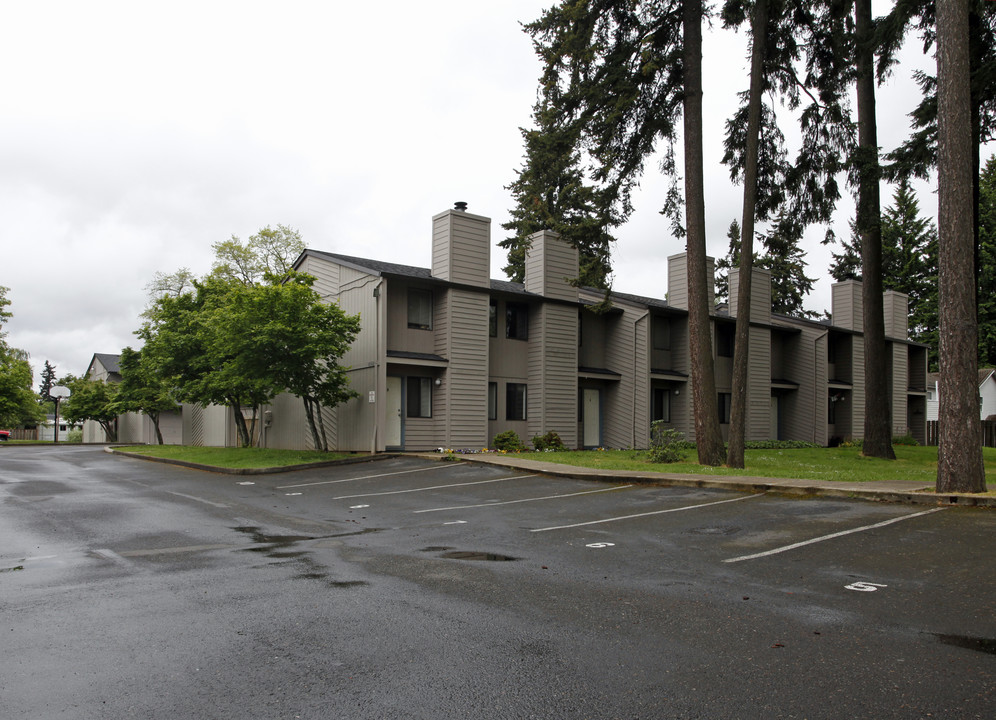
point(561, 598)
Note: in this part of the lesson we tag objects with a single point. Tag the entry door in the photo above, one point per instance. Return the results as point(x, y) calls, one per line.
point(591, 417)
point(392, 433)
point(774, 418)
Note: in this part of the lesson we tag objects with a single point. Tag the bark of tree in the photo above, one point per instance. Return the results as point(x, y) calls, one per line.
point(959, 457)
point(741, 349)
point(240, 423)
point(708, 439)
point(878, 416)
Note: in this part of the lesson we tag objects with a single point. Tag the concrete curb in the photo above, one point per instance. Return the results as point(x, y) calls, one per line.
point(906, 492)
point(252, 471)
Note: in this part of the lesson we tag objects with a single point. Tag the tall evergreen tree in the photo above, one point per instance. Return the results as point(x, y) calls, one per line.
point(725, 264)
point(552, 193)
point(909, 263)
point(47, 381)
point(987, 265)
point(959, 454)
point(868, 222)
point(620, 73)
point(784, 257)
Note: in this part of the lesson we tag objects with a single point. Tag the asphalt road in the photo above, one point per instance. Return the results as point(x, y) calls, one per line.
point(408, 588)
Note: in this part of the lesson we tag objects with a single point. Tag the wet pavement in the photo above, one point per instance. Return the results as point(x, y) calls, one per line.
point(409, 588)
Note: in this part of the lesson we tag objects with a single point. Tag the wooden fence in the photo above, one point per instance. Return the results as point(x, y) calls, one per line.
point(988, 433)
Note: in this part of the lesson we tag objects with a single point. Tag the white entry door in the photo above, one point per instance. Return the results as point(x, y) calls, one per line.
point(392, 433)
point(591, 417)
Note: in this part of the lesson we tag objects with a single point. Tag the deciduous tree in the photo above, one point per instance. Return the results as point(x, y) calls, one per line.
point(142, 389)
point(94, 400)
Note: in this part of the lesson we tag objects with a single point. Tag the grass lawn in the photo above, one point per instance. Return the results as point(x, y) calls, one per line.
point(847, 464)
point(236, 458)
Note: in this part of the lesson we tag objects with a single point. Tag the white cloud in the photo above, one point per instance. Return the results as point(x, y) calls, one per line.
point(136, 135)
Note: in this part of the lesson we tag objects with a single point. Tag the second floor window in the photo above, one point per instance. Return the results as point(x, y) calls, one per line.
point(725, 335)
point(662, 333)
point(493, 318)
point(419, 309)
point(517, 321)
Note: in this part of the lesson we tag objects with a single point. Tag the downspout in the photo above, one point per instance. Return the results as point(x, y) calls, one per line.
point(377, 388)
point(635, 348)
point(816, 370)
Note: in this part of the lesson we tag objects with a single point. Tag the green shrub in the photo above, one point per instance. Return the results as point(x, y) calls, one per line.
point(75, 436)
point(667, 445)
point(905, 440)
point(778, 445)
point(508, 441)
point(550, 441)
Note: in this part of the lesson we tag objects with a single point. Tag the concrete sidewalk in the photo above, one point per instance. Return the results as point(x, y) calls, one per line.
point(900, 491)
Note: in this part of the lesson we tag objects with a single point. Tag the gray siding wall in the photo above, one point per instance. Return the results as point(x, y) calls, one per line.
point(804, 411)
point(846, 305)
point(552, 392)
point(464, 391)
point(760, 294)
point(358, 424)
point(399, 335)
point(759, 385)
point(550, 264)
point(289, 428)
point(895, 307)
point(625, 417)
point(461, 248)
point(900, 384)
point(591, 352)
point(677, 280)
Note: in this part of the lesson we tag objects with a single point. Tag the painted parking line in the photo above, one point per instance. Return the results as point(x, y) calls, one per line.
point(646, 514)
point(362, 477)
point(793, 546)
point(434, 487)
point(523, 500)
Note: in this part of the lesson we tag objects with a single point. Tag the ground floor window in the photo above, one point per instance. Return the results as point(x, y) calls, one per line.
point(492, 401)
point(660, 404)
point(515, 401)
point(419, 397)
point(725, 399)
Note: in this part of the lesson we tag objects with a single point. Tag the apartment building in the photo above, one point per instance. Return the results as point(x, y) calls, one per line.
point(448, 358)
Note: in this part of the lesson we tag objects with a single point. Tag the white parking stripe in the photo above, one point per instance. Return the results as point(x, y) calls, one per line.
point(434, 487)
point(793, 546)
point(362, 477)
point(513, 502)
point(646, 514)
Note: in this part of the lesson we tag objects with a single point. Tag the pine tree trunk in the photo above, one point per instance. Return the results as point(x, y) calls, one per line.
point(708, 439)
point(878, 415)
point(959, 455)
point(741, 347)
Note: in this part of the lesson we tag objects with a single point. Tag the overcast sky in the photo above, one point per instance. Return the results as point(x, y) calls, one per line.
point(134, 135)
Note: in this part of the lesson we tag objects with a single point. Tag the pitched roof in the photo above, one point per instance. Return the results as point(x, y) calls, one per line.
point(110, 362)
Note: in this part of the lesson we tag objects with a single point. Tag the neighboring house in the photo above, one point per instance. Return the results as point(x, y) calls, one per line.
point(447, 357)
point(131, 427)
point(987, 393)
point(46, 431)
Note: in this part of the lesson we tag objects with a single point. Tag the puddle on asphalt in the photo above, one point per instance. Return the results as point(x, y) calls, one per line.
point(986, 645)
point(472, 555)
point(714, 530)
